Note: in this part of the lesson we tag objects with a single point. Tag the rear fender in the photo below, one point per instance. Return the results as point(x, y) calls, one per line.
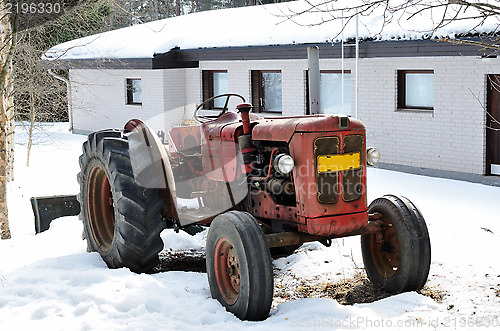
point(150, 162)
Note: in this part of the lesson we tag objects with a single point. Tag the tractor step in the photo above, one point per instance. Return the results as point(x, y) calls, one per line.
point(47, 209)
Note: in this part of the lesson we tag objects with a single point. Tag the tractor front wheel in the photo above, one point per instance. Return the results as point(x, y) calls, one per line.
point(121, 220)
point(239, 266)
point(397, 258)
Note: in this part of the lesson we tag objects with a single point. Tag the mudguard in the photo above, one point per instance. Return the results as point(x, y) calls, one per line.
point(150, 163)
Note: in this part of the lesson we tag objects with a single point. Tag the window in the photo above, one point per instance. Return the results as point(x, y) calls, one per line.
point(331, 92)
point(134, 91)
point(214, 83)
point(267, 91)
point(416, 89)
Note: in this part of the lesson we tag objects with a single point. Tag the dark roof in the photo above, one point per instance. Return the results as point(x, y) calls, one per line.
point(371, 49)
point(190, 58)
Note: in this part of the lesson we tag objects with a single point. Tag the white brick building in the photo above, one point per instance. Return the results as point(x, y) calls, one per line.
point(447, 137)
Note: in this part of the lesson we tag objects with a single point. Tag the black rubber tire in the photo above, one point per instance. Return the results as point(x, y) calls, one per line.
point(255, 273)
point(126, 231)
point(403, 220)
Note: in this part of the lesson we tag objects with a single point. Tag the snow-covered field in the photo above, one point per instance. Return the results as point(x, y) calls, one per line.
point(49, 282)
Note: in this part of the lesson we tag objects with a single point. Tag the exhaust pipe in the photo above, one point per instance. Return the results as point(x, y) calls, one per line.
point(314, 79)
point(245, 140)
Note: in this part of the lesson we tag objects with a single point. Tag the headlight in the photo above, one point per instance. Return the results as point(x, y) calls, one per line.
point(283, 163)
point(372, 156)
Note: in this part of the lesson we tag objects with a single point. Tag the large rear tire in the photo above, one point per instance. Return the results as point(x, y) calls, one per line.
point(398, 257)
point(239, 266)
point(121, 220)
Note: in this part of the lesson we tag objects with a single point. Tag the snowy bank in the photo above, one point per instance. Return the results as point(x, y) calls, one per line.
point(49, 281)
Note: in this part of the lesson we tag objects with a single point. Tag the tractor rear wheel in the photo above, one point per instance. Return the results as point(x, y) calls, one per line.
point(398, 257)
point(239, 266)
point(121, 220)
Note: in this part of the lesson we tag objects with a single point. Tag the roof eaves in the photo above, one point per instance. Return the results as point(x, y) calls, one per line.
point(189, 58)
point(126, 63)
point(173, 60)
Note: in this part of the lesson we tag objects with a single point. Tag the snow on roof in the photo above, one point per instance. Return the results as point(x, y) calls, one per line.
point(274, 24)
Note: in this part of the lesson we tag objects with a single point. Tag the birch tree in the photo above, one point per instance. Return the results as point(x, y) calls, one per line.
point(8, 34)
point(16, 16)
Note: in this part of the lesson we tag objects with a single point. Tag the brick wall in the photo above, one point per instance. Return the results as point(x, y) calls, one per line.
point(451, 138)
point(174, 97)
point(99, 99)
point(239, 80)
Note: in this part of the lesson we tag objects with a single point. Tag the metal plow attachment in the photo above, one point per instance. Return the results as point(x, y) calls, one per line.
point(47, 209)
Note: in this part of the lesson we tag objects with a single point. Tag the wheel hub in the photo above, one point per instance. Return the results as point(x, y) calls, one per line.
point(384, 246)
point(100, 208)
point(227, 271)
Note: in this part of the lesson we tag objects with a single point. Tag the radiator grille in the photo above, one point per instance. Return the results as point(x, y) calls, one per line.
point(327, 182)
point(351, 179)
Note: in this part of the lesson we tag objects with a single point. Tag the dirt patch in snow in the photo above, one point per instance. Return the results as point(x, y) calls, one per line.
point(357, 289)
point(434, 293)
point(347, 292)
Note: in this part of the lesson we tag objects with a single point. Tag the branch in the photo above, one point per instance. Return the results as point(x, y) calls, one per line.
point(482, 44)
point(65, 51)
point(336, 13)
point(135, 16)
point(492, 118)
point(487, 8)
point(6, 44)
point(442, 12)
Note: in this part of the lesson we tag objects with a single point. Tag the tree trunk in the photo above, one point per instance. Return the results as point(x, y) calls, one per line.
point(8, 32)
point(32, 120)
point(177, 7)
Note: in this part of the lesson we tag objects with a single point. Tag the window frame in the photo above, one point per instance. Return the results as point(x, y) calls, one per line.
point(207, 88)
point(401, 90)
point(130, 94)
point(257, 91)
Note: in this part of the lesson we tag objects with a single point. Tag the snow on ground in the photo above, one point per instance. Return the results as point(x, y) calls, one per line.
point(49, 281)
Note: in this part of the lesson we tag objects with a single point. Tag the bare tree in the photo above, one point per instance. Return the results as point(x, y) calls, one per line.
point(441, 13)
point(15, 17)
point(8, 35)
point(127, 12)
point(39, 96)
point(480, 19)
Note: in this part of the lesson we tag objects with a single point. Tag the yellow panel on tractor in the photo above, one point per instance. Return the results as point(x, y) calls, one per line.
point(337, 162)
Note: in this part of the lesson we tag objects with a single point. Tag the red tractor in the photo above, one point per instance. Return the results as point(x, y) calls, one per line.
point(263, 185)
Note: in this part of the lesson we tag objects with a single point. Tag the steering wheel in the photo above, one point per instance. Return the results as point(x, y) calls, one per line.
point(206, 118)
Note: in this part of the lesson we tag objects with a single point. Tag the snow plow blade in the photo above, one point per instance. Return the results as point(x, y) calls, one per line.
point(47, 209)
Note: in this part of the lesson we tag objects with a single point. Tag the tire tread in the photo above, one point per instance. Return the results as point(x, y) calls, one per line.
point(415, 255)
point(138, 223)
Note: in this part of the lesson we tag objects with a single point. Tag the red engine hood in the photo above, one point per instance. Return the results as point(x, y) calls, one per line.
point(282, 128)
